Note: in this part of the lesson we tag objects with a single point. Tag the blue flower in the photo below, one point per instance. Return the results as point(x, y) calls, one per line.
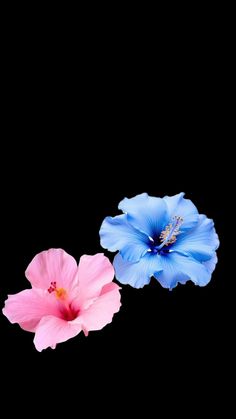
point(162, 237)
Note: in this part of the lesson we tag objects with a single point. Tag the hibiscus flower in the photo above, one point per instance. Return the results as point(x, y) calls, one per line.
point(162, 237)
point(65, 298)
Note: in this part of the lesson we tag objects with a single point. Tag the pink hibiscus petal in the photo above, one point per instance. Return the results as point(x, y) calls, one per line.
point(102, 310)
point(52, 330)
point(29, 326)
point(52, 265)
point(28, 307)
point(93, 273)
point(109, 287)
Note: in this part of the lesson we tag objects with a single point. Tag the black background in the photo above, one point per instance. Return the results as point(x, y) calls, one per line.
point(82, 130)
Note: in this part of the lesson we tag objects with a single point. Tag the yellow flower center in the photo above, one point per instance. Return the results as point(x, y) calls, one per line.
point(60, 293)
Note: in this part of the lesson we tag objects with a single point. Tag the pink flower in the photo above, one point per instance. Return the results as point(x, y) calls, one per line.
point(65, 298)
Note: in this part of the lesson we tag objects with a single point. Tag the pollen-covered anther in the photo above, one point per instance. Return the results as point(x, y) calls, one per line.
point(60, 293)
point(168, 236)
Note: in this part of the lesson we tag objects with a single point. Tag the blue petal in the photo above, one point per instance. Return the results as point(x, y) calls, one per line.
point(179, 206)
point(117, 234)
point(178, 268)
point(146, 213)
point(211, 264)
point(200, 242)
point(136, 274)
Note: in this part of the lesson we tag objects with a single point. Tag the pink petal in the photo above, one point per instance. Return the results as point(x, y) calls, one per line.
point(102, 310)
point(52, 330)
point(29, 326)
point(52, 265)
point(28, 307)
point(93, 273)
point(109, 287)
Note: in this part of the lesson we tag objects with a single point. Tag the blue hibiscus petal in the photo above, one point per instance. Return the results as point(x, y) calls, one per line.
point(136, 274)
point(200, 242)
point(177, 205)
point(179, 268)
point(117, 234)
point(146, 213)
point(211, 264)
